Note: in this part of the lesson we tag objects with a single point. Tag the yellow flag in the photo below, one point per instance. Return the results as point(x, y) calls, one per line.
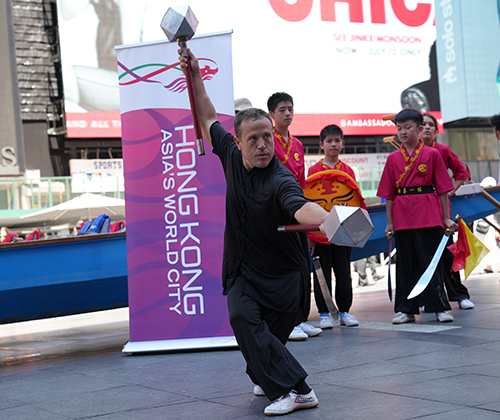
point(477, 252)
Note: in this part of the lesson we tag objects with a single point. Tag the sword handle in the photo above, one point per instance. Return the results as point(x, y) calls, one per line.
point(389, 235)
point(298, 228)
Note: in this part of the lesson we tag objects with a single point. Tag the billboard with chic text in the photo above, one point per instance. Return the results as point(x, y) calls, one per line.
point(344, 61)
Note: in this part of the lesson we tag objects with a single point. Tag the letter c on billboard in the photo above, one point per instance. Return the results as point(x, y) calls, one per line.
point(412, 18)
point(292, 12)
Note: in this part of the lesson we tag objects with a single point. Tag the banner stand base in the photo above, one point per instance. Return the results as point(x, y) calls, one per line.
point(183, 344)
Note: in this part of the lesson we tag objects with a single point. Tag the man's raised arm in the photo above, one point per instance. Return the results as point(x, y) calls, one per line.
point(206, 109)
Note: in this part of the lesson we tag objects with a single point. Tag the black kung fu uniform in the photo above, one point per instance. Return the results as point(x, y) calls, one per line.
point(263, 270)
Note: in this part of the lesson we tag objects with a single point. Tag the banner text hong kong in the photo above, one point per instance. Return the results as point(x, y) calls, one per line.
point(182, 245)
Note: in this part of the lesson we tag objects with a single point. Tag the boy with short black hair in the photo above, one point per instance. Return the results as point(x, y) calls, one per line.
point(330, 255)
point(415, 184)
point(288, 149)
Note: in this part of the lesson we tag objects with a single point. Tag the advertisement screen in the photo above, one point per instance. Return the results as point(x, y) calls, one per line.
point(346, 62)
point(468, 35)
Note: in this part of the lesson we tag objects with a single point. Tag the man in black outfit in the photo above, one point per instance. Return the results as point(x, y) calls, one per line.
point(263, 270)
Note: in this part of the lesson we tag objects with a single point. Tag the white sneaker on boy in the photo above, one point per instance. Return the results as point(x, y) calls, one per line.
point(310, 330)
point(325, 322)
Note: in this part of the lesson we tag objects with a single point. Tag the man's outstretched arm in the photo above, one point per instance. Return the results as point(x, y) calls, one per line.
point(310, 213)
point(206, 109)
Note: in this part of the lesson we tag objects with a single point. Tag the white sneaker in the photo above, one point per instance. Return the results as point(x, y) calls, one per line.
point(325, 322)
point(466, 304)
point(291, 402)
point(258, 391)
point(349, 321)
point(310, 330)
point(297, 334)
point(444, 317)
point(402, 318)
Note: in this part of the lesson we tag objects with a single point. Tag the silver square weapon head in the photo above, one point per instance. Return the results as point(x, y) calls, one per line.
point(348, 226)
point(179, 22)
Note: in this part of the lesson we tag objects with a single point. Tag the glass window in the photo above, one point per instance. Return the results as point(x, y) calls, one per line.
point(474, 144)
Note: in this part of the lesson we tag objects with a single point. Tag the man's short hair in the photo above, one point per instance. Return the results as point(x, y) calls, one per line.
point(249, 114)
point(409, 114)
point(331, 129)
point(433, 119)
point(276, 98)
point(495, 121)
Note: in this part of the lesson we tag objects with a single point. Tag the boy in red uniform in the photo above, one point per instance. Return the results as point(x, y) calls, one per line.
point(330, 255)
point(457, 292)
point(415, 184)
point(290, 152)
point(288, 149)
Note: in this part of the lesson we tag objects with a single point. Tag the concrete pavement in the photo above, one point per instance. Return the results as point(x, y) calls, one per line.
point(73, 368)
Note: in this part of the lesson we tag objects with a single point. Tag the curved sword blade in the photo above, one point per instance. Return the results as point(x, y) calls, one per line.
point(426, 277)
point(334, 312)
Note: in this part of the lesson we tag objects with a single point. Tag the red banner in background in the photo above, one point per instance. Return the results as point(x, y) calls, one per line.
point(108, 124)
point(351, 124)
point(93, 124)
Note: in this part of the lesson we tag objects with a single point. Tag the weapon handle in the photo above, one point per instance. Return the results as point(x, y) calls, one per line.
point(192, 101)
point(490, 199)
point(389, 235)
point(298, 228)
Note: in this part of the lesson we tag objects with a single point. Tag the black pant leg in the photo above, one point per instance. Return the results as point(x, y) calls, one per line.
point(407, 272)
point(305, 307)
point(261, 333)
point(324, 253)
point(434, 296)
point(341, 263)
point(416, 247)
point(454, 287)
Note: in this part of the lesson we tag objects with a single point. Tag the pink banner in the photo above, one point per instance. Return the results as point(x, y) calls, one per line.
point(175, 228)
point(174, 202)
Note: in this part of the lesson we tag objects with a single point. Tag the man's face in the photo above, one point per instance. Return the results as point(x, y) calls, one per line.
point(256, 143)
point(408, 132)
point(283, 114)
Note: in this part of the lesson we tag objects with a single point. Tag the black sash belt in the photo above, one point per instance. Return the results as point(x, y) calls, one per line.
point(424, 189)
